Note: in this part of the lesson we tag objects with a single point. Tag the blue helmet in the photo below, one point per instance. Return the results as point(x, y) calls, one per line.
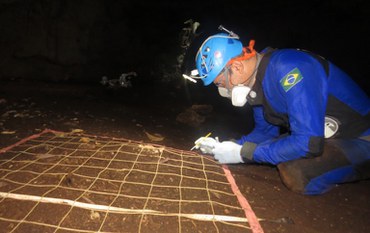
point(215, 52)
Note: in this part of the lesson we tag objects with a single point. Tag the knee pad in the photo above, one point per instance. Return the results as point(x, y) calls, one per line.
point(342, 161)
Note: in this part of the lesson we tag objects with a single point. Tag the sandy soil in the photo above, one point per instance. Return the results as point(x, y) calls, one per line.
point(28, 108)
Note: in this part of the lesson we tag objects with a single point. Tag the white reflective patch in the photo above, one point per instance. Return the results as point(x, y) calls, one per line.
point(331, 126)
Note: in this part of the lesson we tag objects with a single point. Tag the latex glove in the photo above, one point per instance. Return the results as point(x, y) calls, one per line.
point(206, 144)
point(228, 152)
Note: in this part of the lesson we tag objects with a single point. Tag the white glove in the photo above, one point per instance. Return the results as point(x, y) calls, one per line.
point(228, 152)
point(206, 144)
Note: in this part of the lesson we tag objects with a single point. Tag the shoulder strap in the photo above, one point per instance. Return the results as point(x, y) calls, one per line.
point(257, 87)
point(270, 115)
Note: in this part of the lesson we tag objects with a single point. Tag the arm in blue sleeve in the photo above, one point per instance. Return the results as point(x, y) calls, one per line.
point(305, 107)
point(262, 130)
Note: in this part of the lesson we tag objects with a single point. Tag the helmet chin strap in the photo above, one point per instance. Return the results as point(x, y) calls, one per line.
point(250, 79)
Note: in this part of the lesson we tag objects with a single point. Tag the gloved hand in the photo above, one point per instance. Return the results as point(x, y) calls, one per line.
point(228, 152)
point(206, 144)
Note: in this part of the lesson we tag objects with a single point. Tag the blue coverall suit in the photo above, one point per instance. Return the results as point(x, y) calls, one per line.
point(295, 91)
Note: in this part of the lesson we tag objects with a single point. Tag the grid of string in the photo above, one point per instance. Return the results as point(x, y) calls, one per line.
point(111, 182)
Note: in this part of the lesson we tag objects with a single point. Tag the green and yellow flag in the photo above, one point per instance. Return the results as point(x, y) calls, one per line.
point(291, 79)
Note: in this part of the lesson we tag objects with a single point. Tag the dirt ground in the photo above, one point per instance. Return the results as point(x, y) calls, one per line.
point(29, 108)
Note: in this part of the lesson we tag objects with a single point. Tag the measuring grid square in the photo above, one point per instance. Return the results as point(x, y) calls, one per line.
point(74, 182)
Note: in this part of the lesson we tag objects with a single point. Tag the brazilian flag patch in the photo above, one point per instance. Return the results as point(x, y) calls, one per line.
point(291, 79)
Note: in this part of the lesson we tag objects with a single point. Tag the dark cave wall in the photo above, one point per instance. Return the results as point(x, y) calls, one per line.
point(50, 39)
point(82, 40)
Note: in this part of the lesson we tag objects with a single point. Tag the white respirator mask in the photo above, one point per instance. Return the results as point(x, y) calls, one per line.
point(238, 94)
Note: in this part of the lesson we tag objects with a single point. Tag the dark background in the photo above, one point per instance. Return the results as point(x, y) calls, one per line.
point(53, 54)
point(83, 40)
